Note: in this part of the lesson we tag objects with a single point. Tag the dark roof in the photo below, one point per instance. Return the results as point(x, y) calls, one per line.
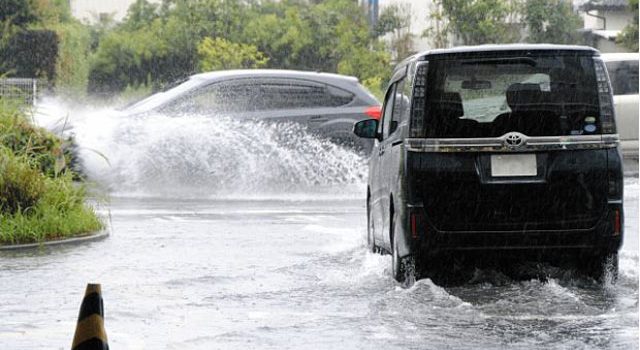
point(492, 48)
point(503, 47)
point(605, 5)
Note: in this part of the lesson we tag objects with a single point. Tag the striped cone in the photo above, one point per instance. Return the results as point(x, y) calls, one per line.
point(90, 333)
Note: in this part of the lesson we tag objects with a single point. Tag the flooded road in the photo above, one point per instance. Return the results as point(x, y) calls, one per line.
point(224, 238)
point(293, 273)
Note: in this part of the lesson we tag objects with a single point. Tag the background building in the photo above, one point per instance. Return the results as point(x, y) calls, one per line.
point(92, 10)
point(603, 21)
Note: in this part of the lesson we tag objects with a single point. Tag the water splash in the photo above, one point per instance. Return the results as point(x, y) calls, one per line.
point(198, 156)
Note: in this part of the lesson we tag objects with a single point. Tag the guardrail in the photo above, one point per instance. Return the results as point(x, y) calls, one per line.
point(19, 89)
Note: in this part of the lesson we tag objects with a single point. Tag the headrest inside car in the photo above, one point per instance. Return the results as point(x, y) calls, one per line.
point(448, 103)
point(520, 96)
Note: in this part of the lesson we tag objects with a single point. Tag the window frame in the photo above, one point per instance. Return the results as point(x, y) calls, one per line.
point(398, 109)
point(385, 120)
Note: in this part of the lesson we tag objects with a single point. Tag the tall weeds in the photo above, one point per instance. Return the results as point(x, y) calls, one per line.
point(38, 197)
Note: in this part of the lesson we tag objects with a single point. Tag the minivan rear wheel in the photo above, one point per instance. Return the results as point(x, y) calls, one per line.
point(602, 267)
point(402, 269)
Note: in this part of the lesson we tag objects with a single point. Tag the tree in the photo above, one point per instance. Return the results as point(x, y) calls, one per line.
point(438, 31)
point(31, 53)
point(552, 21)
point(141, 13)
point(17, 12)
point(218, 53)
point(158, 45)
point(395, 20)
point(481, 21)
point(629, 35)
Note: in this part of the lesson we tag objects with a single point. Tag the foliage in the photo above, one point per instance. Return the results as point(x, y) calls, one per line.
point(629, 35)
point(72, 65)
point(38, 200)
point(395, 21)
point(157, 45)
point(20, 185)
point(480, 21)
point(43, 150)
point(494, 21)
point(18, 12)
point(48, 43)
point(58, 211)
point(31, 53)
point(552, 21)
point(218, 53)
point(155, 53)
point(140, 14)
point(49, 12)
point(391, 18)
point(439, 30)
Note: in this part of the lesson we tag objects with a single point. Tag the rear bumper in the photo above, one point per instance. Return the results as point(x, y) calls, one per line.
point(599, 239)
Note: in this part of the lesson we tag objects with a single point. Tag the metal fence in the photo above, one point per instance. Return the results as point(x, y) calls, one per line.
point(20, 89)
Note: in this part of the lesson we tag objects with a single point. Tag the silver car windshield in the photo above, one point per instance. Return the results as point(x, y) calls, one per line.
point(159, 99)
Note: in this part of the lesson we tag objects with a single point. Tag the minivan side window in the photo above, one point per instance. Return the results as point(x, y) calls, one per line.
point(406, 100)
point(388, 111)
point(399, 106)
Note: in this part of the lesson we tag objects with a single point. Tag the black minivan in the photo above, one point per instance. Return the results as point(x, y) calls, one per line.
point(496, 149)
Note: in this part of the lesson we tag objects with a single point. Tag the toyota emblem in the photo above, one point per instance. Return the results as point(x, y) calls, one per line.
point(514, 139)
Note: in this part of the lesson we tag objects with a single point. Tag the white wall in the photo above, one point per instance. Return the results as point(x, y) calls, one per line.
point(616, 20)
point(608, 46)
point(90, 10)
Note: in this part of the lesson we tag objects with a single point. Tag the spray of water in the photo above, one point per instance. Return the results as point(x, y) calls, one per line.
point(200, 156)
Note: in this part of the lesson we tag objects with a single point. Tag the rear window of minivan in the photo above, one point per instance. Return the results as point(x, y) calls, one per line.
point(546, 95)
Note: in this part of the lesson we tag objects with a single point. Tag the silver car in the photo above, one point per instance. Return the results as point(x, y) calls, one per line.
point(327, 104)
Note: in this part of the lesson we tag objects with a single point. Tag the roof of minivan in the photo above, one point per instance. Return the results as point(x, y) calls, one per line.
point(498, 47)
point(281, 73)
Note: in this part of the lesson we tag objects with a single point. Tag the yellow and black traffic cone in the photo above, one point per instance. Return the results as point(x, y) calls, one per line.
point(90, 333)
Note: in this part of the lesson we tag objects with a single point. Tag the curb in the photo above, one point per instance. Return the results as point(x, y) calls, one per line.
point(73, 240)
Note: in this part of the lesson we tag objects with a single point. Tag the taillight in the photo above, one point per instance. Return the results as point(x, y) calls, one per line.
point(605, 98)
point(374, 112)
point(416, 222)
point(617, 223)
point(419, 100)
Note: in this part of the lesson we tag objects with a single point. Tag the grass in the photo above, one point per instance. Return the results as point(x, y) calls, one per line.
point(39, 200)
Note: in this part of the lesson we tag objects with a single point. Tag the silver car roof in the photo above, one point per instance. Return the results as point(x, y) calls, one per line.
point(276, 73)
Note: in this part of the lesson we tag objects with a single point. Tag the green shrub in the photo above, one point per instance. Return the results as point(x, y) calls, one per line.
point(218, 53)
point(38, 198)
point(72, 65)
point(59, 212)
point(21, 186)
point(31, 53)
point(42, 149)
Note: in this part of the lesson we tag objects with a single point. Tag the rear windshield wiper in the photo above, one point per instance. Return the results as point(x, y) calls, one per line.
point(504, 60)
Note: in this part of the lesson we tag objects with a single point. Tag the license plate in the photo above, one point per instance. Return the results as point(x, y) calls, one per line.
point(514, 165)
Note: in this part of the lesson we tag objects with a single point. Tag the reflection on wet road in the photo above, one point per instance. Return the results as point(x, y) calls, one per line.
point(293, 273)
